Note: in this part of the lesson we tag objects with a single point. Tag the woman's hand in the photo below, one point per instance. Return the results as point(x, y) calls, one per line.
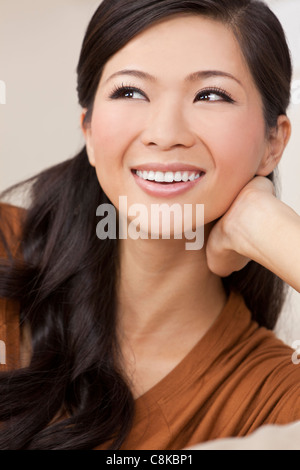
point(258, 227)
point(227, 248)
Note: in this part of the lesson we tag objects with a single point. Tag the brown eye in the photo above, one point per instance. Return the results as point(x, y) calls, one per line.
point(126, 92)
point(213, 95)
point(210, 97)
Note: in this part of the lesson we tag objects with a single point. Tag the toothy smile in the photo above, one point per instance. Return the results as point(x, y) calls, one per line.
point(168, 176)
point(167, 180)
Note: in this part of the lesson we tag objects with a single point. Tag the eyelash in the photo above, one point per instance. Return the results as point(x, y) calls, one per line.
point(217, 91)
point(120, 90)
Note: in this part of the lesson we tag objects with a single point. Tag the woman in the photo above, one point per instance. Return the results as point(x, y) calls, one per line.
point(140, 343)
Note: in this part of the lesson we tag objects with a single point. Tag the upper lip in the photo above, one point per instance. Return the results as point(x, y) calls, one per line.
point(165, 167)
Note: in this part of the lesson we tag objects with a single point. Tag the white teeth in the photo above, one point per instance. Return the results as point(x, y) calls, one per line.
point(185, 176)
point(168, 176)
point(159, 177)
point(151, 176)
point(177, 176)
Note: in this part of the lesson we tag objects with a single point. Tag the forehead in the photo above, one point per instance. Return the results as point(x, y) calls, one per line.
point(181, 45)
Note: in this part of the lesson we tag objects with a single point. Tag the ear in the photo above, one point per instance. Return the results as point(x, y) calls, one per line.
point(277, 141)
point(87, 133)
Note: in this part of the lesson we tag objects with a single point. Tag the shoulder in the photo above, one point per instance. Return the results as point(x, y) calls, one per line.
point(259, 370)
point(11, 216)
point(9, 335)
point(271, 377)
point(11, 222)
point(268, 356)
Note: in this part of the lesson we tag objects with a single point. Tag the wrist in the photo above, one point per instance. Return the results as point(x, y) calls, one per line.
point(248, 230)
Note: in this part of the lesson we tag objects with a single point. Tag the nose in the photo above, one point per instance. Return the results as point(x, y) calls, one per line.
point(167, 128)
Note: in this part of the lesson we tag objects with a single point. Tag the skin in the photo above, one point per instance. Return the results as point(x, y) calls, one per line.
point(169, 297)
point(258, 227)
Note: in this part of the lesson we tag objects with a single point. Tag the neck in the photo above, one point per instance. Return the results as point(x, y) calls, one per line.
point(165, 289)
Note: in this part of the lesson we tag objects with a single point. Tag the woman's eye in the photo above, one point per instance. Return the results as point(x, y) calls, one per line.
point(213, 95)
point(128, 93)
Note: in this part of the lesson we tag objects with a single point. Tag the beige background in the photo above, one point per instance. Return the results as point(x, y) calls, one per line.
point(40, 42)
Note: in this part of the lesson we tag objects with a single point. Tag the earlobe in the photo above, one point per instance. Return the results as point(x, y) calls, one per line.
point(269, 163)
point(86, 130)
point(277, 142)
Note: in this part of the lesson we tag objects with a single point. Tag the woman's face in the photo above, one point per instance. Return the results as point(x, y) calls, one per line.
point(178, 102)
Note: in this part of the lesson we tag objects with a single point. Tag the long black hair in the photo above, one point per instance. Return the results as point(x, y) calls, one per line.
point(73, 394)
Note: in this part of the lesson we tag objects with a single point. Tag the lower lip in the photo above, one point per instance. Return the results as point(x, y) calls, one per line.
point(167, 189)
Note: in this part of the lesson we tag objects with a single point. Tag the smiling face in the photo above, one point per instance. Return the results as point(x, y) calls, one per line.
point(177, 119)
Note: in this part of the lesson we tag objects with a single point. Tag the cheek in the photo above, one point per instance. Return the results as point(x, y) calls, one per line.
point(107, 132)
point(239, 149)
point(236, 151)
point(112, 135)
point(113, 131)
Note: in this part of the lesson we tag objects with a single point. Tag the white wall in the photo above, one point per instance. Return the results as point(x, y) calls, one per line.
point(39, 124)
point(40, 42)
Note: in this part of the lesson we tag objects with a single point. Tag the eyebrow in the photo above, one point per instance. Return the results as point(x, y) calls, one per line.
point(193, 77)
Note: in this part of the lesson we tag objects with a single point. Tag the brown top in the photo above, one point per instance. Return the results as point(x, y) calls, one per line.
point(238, 377)
point(10, 217)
